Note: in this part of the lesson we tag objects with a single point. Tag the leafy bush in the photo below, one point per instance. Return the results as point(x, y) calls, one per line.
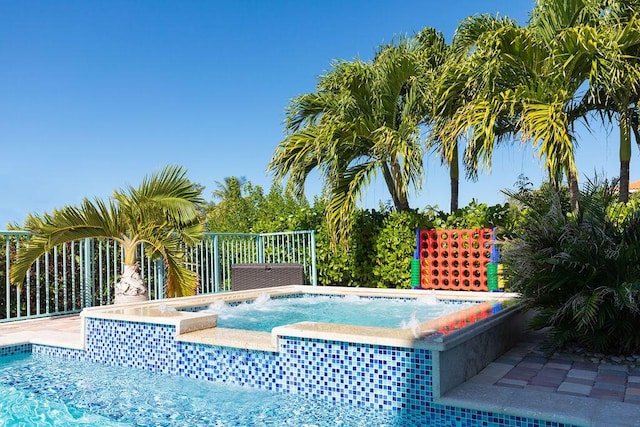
point(579, 270)
point(350, 265)
point(393, 250)
point(382, 244)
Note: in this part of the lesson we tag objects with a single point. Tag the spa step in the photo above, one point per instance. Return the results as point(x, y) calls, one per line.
point(224, 337)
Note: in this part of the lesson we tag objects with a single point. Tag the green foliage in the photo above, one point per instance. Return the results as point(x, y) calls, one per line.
point(379, 249)
point(579, 270)
point(347, 266)
point(247, 210)
point(474, 215)
point(394, 246)
point(383, 242)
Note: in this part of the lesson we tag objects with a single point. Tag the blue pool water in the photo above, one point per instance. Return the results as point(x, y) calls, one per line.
point(265, 313)
point(37, 390)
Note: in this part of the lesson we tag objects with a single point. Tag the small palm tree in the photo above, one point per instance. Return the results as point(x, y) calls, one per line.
point(161, 213)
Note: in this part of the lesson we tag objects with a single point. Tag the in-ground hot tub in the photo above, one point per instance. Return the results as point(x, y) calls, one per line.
point(404, 368)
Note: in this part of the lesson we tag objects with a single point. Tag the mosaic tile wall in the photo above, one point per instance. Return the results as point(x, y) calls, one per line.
point(379, 377)
point(361, 374)
point(60, 352)
point(11, 350)
point(132, 344)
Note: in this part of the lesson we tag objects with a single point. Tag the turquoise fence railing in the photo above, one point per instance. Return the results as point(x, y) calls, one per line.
point(83, 273)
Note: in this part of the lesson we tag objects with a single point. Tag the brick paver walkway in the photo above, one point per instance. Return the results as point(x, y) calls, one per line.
point(532, 369)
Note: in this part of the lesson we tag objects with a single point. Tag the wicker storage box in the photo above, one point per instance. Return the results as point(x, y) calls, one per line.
point(254, 276)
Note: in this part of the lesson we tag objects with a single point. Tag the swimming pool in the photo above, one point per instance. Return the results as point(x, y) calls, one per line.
point(394, 373)
point(42, 390)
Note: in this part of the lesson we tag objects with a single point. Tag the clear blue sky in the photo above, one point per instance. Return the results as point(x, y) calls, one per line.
point(96, 94)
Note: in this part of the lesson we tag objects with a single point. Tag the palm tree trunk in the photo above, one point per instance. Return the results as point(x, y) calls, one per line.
point(574, 190)
point(400, 201)
point(625, 156)
point(130, 286)
point(454, 176)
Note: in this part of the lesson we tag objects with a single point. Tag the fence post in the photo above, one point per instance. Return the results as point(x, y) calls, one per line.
point(88, 283)
point(216, 263)
point(159, 279)
point(260, 248)
point(314, 272)
point(7, 280)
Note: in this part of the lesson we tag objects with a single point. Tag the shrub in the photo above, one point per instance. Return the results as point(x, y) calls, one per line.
point(579, 270)
point(394, 246)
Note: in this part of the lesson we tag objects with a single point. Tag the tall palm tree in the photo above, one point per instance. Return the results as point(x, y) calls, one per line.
point(450, 91)
point(610, 44)
point(516, 84)
point(161, 213)
point(362, 121)
point(574, 57)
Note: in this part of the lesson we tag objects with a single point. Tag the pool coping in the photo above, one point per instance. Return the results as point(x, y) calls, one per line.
point(200, 327)
point(574, 410)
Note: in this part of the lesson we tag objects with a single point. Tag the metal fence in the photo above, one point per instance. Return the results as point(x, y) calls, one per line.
point(83, 273)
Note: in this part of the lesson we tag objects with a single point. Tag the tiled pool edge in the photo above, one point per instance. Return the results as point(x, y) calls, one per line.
point(15, 349)
point(205, 362)
point(377, 376)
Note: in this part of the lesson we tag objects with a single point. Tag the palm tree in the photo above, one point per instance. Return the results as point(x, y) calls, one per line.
point(162, 213)
point(611, 45)
point(574, 57)
point(513, 82)
point(362, 121)
point(230, 188)
point(450, 91)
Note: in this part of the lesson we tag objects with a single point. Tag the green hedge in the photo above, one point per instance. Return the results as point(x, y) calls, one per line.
point(382, 244)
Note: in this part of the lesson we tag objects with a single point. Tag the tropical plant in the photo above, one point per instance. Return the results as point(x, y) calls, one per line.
point(579, 270)
point(234, 212)
point(161, 213)
point(249, 210)
point(363, 120)
point(534, 82)
point(610, 45)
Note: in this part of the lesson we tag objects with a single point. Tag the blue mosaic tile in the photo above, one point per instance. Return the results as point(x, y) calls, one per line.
point(61, 352)
point(379, 377)
point(448, 416)
point(132, 344)
point(12, 350)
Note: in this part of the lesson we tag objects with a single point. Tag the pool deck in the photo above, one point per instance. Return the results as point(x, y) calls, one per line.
point(524, 381)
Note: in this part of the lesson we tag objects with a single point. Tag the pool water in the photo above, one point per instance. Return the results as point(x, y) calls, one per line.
point(265, 313)
point(37, 390)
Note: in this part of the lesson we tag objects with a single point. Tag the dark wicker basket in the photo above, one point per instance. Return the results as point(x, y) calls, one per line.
point(254, 276)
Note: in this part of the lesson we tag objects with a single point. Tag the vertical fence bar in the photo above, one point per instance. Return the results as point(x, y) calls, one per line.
point(216, 265)
point(28, 293)
point(47, 282)
point(56, 279)
point(7, 279)
point(88, 273)
point(64, 275)
point(100, 300)
point(73, 275)
point(314, 272)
